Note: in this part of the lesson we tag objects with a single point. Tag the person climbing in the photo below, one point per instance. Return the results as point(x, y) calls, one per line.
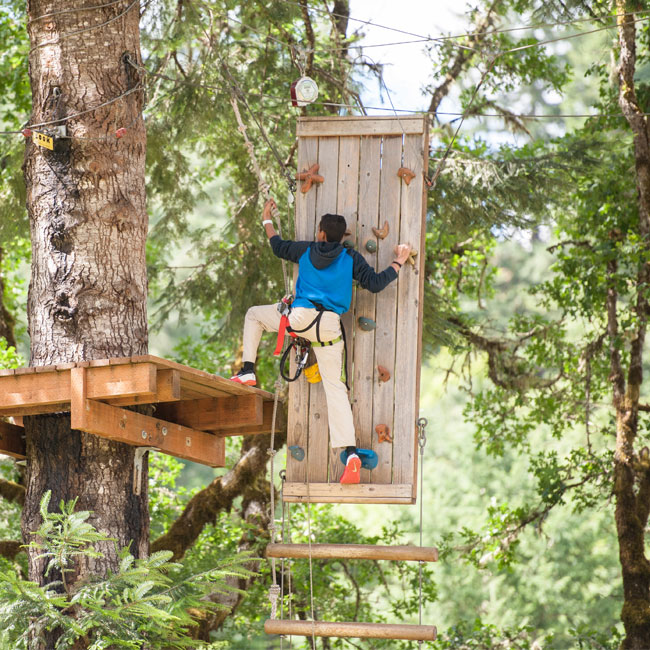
point(323, 292)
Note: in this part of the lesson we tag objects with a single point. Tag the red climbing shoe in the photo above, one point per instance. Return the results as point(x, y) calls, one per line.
point(246, 378)
point(352, 470)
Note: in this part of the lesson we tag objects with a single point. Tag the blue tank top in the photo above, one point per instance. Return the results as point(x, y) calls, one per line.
point(330, 287)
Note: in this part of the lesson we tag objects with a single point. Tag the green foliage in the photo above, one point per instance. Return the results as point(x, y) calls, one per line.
point(480, 636)
point(147, 603)
point(9, 358)
point(15, 104)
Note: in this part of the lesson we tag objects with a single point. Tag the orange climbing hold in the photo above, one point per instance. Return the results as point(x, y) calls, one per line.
point(309, 177)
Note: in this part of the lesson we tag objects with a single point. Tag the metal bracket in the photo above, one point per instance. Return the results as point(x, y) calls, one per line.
point(137, 467)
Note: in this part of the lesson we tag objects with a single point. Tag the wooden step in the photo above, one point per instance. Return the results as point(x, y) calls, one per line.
point(354, 552)
point(352, 630)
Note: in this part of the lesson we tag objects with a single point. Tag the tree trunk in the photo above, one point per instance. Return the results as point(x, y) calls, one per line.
point(88, 221)
point(632, 506)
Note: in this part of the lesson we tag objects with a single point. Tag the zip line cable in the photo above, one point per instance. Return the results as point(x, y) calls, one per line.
point(334, 104)
point(420, 37)
point(74, 10)
point(86, 29)
point(336, 49)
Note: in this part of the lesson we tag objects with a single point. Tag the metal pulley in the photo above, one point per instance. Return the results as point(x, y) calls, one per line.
point(304, 91)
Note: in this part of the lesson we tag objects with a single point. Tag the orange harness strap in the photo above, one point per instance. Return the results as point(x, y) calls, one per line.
point(282, 330)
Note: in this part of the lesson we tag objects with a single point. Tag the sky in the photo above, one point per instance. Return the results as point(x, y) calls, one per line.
point(407, 67)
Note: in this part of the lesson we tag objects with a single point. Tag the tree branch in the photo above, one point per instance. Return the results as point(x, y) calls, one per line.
point(503, 363)
point(204, 506)
point(12, 492)
point(464, 57)
point(255, 513)
point(311, 39)
point(9, 548)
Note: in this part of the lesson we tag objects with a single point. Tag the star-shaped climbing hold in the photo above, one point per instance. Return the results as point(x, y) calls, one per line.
point(406, 174)
point(309, 177)
point(383, 433)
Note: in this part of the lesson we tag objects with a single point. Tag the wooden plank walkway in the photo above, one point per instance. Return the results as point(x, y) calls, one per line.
point(194, 410)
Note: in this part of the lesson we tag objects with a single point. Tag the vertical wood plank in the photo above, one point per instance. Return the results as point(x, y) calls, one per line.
point(298, 410)
point(78, 399)
point(326, 193)
point(384, 393)
point(364, 342)
point(347, 205)
point(409, 315)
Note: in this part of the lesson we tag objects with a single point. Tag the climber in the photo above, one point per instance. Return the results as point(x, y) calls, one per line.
point(323, 292)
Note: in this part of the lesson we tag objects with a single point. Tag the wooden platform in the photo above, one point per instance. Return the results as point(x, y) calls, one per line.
point(360, 160)
point(193, 410)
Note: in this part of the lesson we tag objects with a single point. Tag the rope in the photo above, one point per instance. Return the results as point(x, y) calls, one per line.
point(311, 569)
point(422, 441)
point(263, 187)
point(274, 589)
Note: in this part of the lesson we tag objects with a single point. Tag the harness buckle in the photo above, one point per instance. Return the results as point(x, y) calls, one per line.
point(284, 306)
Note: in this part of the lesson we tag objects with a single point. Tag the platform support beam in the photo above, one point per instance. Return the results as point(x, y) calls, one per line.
point(141, 430)
point(12, 440)
point(216, 413)
point(352, 630)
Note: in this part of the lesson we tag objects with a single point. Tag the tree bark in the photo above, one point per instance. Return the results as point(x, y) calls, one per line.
point(632, 506)
point(88, 223)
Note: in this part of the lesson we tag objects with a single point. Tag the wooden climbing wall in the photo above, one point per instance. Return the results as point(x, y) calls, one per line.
point(359, 159)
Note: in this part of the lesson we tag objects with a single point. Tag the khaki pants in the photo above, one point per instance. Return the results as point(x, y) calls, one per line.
point(266, 318)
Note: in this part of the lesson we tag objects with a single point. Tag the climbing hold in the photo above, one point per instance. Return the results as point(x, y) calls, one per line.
point(120, 133)
point(369, 458)
point(371, 246)
point(348, 243)
point(381, 233)
point(297, 452)
point(367, 324)
point(411, 258)
point(309, 177)
point(406, 174)
point(27, 133)
point(383, 433)
point(384, 373)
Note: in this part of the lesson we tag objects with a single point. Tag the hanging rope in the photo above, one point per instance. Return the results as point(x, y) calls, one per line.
point(286, 538)
point(274, 589)
point(263, 187)
point(422, 441)
point(311, 569)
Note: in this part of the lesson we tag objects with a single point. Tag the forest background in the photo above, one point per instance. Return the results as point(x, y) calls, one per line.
point(527, 223)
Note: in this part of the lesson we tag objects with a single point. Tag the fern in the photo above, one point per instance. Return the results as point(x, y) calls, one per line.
point(146, 603)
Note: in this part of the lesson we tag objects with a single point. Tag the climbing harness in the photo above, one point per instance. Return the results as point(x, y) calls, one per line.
point(302, 346)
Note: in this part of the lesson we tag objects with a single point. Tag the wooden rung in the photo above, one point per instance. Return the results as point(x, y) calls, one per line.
point(294, 492)
point(354, 552)
point(352, 630)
